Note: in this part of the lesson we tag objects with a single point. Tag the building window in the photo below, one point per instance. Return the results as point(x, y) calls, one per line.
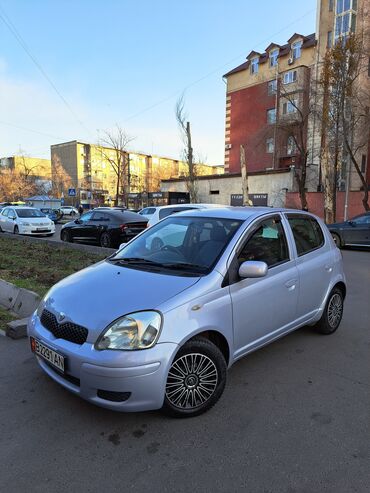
point(271, 115)
point(270, 146)
point(290, 107)
point(290, 77)
point(214, 192)
point(329, 41)
point(296, 50)
point(345, 21)
point(291, 146)
point(331, 2)
point(254, 65)
point(272, 87)
point(274, 57)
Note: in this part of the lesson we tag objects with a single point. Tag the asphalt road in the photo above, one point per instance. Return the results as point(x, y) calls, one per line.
point(294, 418)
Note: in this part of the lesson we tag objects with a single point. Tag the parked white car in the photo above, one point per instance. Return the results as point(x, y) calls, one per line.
point(167, 210)
point(68, 210)
point(25, 221)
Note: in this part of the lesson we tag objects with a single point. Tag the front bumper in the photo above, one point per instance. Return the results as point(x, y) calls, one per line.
point(30, 230)
point(90, 373)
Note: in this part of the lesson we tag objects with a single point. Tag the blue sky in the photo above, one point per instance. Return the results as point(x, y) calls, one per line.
point(113, 60)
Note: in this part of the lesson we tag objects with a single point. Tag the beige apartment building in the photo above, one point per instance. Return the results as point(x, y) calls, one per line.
point(88, 168)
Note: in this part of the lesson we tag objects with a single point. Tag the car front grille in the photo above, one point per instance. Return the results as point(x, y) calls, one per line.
point(65, 330)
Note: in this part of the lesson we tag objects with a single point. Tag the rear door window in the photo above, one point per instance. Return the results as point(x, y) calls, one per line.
point(99, 217)
point(307, 233)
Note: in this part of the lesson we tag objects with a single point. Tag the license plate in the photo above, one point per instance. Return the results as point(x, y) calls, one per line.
point(49, 355)
point(41, 229)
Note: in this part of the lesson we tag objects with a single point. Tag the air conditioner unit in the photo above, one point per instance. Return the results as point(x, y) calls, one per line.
point(290, 60)
point(228, 146)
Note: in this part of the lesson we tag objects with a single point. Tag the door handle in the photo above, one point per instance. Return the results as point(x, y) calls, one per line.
point(328, 268)
point(291, 284)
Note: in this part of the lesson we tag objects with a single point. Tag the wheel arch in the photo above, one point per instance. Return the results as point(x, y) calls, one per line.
point(216, 338)
point(340, 285)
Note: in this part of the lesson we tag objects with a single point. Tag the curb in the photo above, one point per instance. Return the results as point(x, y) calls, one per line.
point(22, 303)
point(61, 244)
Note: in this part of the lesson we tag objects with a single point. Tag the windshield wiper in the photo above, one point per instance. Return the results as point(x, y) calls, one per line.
point(136, 261)
point(186, 266)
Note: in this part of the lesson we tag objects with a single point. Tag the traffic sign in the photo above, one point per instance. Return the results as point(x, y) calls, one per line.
point(71, 192)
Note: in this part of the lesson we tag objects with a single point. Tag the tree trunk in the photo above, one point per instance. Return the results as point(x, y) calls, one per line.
point(192, 182)
point(244, 173)
point(328, 189)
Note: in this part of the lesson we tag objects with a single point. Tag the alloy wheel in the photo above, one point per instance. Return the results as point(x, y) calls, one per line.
point(192, 380)
point(335, 309)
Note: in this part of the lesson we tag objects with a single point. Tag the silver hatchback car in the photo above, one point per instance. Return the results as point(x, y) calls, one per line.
point(157, 324)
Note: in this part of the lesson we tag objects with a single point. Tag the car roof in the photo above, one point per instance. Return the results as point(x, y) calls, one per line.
point(121, 215)
point(195, 206)
point(239, 213)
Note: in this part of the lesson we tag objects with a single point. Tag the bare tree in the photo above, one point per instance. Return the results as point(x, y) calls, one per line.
point(345, 116)
point(60, 179)
point(292, 131)
point(117, 141)
point(184, 125)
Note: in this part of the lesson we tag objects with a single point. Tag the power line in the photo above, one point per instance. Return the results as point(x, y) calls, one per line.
point(30, 130)
point(209, 74)
point(10, 25)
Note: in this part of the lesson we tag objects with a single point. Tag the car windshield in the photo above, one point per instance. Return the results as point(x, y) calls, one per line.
point(185, 244)
point(29, 213)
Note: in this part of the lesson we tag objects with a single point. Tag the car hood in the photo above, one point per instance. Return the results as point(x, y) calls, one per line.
point(96, 296)
point(33, 220)
point(337, 225)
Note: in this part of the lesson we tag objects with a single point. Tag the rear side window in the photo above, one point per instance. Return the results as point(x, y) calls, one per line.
point(307, 233)
point(99, 216)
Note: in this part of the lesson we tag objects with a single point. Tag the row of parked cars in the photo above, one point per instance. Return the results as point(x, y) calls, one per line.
point(111, 226)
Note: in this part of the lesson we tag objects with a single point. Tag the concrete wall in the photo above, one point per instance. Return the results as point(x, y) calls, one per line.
point(271, 183)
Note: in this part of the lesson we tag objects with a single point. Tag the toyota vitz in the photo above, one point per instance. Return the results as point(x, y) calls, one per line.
point(158, 323)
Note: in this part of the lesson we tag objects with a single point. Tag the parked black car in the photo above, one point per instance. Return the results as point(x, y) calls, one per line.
point(355, 232)
point(108, 228)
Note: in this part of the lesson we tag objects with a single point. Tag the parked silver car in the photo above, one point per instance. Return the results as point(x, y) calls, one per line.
point(158, 323)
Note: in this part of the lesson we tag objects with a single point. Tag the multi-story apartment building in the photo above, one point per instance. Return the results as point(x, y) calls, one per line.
point(270, 97)
point(89, 169)
point(38, 169)
point(260, 94)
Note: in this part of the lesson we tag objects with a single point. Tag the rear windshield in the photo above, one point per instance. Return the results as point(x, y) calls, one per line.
point(29, 213)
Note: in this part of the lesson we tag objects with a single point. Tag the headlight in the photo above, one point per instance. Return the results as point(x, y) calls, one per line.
point(41, 306)
point(138, 330)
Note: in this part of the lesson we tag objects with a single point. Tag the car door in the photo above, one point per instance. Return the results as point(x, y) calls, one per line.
point(82, 227)
point(315, 263)
point(4, 219)
point(358, 231)
point(10, 221)
point(266, 307)
point(97, 224)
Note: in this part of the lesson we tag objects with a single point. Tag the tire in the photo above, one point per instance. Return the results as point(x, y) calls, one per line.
point(105, 240)
point(66, 236)
point(16, 230)
point(199, 396)
point(337, 240)
point(333, 312)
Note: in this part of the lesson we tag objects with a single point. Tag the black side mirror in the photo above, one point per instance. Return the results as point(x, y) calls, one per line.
point(77, 221)
point(352, 223)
